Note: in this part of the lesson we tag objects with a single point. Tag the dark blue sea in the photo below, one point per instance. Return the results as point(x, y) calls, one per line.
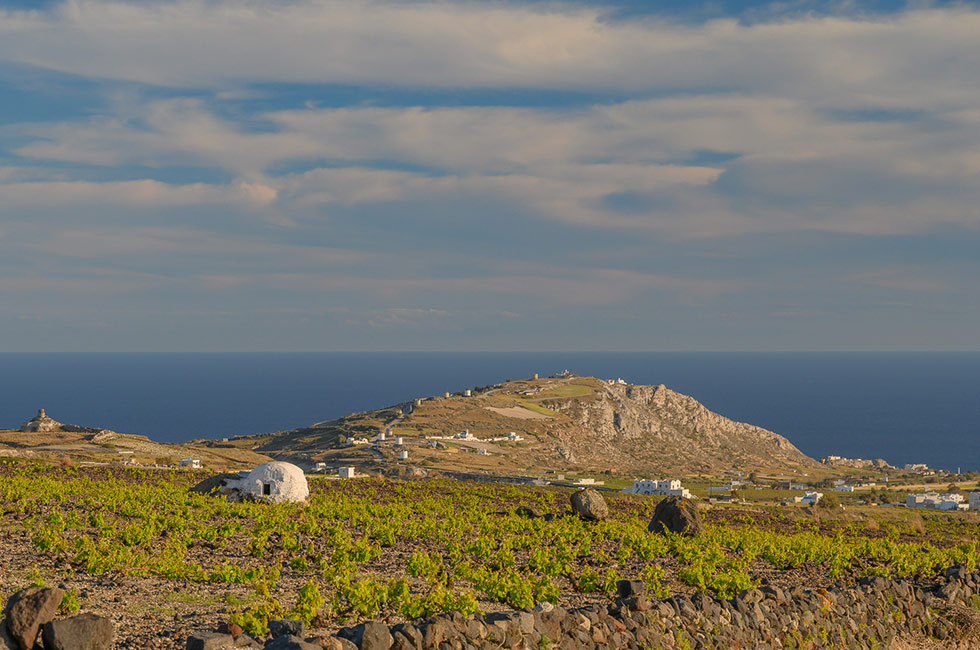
point(909, 407)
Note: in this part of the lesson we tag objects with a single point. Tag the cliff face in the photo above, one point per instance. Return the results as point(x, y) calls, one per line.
point(654, 427)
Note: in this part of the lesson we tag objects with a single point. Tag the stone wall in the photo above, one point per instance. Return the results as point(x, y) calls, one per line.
point(868, 616)
point(873, 614)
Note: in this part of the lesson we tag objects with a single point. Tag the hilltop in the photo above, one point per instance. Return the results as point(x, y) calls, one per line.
point(561, 423)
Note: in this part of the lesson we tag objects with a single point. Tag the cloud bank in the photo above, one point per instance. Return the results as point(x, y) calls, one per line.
point(412, 162)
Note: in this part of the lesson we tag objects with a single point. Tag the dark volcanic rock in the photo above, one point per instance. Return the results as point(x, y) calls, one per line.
point(376, 636)
point(283, 627)
point(678, 515)
point(524, 511)
point(212, 484)
point(630, 588)
point(291, 642)
point(210, 641)
point(82, 632)
point(589, 504)
point(28, 610)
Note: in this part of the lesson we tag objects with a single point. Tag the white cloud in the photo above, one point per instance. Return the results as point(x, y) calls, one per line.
point(138, 193)
point(878, 60)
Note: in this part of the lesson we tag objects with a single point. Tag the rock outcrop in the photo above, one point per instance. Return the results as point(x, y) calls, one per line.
point(642, 427)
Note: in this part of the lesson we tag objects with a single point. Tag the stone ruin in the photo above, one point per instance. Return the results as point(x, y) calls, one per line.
point(41, 423)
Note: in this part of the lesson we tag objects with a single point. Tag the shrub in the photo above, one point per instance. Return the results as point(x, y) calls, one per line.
point(828, 502)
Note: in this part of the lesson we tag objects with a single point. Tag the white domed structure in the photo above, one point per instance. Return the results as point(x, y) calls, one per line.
point(275, 482)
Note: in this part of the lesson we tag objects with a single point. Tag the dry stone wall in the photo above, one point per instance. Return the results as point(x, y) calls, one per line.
point(871, 615)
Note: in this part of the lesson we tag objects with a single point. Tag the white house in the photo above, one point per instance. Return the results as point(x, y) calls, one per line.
point(844, 488)
point(916, 467)
point(467, 393)
point(399, 440)
point(345, 472)
point(668, 487)
point(482, 452)
point(403, 455)
point(974, 500)
point(809, 498)
point(588, 481)
point(382, 436)
point(319, 467)
point(191, 463)
point(513, 437)
point(465, 435)
point(934, 501)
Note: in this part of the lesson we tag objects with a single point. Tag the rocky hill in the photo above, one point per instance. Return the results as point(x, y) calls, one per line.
point(565, 423)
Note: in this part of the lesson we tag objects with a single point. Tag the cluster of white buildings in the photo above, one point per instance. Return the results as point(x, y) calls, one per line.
point(667, 488)
point(936, 501)
point(809, 498)
point(465, 434)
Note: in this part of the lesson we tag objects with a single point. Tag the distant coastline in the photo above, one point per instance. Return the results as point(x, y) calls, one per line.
point(904, 407)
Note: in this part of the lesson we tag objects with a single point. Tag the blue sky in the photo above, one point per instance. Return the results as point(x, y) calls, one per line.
point(327, 175)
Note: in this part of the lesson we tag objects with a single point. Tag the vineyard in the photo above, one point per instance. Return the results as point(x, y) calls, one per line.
point(400, 550)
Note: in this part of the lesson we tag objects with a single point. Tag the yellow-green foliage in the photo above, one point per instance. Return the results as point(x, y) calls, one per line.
point(456, 543)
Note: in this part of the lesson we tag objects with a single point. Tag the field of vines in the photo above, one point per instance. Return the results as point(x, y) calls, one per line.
point(376, 548)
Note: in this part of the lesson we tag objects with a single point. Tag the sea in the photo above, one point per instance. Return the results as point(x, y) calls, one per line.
point(903, 407)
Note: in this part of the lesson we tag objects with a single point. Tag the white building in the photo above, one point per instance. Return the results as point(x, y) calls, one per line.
point(345, 472)
point(809, 498)
point(191, 463)
point(400, 440)
point(467, 393)
point(935, 501)
point(974, 500)
point(274, 482)
point(844, 488)
point(482, 452)
point(668, 488)
point(588, 481)
point(465, 435)
point(513, 437)
point(382, 436)
point(403, 455)
point(916, 467)
point(319, 467)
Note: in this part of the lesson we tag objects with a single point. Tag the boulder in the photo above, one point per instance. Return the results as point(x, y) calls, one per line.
point(284, 627)
point(214, 484)
point(678, 515)
point(28, 610)
point(370, 635)
point(81, 632)
point(589, 504)
point(291, 642)
point(210, 641)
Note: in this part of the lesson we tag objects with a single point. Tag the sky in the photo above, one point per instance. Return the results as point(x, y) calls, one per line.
point(224, 175)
